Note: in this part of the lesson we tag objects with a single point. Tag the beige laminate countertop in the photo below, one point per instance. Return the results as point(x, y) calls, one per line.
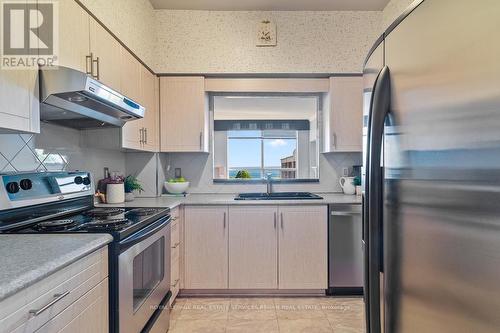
point(28, 258)
point(228, 199)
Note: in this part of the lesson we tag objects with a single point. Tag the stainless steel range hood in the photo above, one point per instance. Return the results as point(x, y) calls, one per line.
point(72, 98)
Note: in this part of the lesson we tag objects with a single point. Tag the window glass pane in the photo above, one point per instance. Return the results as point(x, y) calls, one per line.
point(280, 158)
point(244, 155)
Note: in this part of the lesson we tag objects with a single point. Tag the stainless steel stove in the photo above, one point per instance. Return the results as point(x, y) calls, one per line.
point(139, 256)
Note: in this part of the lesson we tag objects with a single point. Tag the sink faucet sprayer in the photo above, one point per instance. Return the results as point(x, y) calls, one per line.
point(269, 179)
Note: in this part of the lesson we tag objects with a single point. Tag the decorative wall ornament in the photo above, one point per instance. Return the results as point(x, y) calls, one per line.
point(266, 33)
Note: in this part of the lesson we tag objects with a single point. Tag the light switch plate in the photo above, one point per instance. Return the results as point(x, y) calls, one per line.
point(345, 172)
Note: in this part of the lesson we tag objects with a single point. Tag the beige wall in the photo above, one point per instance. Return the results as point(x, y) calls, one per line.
point(224, 41)
point(393, 9)
point(132, 21)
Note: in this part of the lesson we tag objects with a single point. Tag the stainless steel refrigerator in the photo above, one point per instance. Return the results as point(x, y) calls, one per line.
point(431, 220)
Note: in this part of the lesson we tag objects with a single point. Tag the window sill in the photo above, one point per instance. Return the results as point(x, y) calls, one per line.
point(263, 181)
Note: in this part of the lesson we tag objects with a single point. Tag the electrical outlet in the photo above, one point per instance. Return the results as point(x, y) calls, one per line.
point(345, 172)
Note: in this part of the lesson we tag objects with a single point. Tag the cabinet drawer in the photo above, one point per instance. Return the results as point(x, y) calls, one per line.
point(53, 294)
point(88, 314)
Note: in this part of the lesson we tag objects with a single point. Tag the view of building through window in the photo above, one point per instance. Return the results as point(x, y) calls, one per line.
point(257, 136)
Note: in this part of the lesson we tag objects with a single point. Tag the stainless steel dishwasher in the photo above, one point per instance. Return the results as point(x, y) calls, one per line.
point(345, 254)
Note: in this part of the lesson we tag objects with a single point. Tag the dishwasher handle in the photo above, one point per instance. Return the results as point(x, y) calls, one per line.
point(340, 213)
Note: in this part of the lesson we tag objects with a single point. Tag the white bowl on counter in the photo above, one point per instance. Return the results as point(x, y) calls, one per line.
point(176, 188)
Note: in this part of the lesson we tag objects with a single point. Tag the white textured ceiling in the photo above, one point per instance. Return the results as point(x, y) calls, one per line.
point(270, 4)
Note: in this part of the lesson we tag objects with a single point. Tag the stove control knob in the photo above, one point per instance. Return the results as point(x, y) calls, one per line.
point(78, 180)
point(86, 181)
point(12, 187)
point(26, 184)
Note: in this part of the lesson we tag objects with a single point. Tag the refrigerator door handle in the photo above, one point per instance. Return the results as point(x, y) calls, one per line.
point(380, 106)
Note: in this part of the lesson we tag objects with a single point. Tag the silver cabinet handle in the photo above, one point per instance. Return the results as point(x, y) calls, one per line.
point(89, 70)
point(281, 215)
point(224, 220)
point(57, 298)
point(96, 61)
point(146, 135)
point(334, 140)
point(274, 220)
point(140, 135)
point(175, 283)
point(175, 245)
point(201, 140)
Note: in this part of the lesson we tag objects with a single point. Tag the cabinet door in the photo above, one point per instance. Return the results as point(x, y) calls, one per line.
point(253, 247)
point(206, 247)
point(184, 114)
point(133, 135)
point(89, 313)
point(74, 44)
point(303, 247)
point(346, 118)
point(108, 50)
point(19, 103)
point(150, 99)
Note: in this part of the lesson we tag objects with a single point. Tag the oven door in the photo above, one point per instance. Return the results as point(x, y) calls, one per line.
point(143, 275)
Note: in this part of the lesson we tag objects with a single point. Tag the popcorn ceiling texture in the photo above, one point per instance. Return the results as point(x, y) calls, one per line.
point(132, 21)
point(224, 41)
point(393, 9)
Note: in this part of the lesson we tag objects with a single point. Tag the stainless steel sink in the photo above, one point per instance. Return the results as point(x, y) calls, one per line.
point(278, 196)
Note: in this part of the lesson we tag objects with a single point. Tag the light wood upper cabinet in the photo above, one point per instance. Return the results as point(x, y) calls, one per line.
point(253, 247)
point(303, 247)
point(150, 86)
point(19, 103)
point(183, 114)
point(74, 34)
point(205, 247)
point(344, 118)
point(139, 84)
point(106, 52)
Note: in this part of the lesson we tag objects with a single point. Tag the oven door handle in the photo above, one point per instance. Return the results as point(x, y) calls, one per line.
point(144, 233)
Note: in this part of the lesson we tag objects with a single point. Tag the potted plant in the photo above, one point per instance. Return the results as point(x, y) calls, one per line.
point(131, 184)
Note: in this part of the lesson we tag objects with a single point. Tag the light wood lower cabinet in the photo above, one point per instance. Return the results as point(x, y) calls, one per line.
point(256, 247)
point(88, 314)
point(253, 247)
point(206, 247)
point(303, 249)
point(176, 244)
point(74, 299)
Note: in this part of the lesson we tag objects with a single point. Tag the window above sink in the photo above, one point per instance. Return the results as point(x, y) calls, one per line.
point(258, 135)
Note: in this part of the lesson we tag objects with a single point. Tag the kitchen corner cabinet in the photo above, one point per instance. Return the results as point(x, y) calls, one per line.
point(344, 115)
point(253, 247)
point(183, 114)
point(206, 247)
point(303, 247)
point(106, 54)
